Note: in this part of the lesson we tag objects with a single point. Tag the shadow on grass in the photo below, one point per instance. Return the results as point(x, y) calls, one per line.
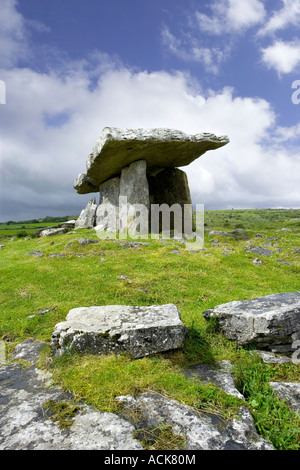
point(198, 346)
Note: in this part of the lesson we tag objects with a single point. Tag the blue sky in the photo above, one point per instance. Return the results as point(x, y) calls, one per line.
point(72, 67)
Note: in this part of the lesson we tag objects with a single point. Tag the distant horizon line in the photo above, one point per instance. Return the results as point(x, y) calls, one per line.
point(205, 210)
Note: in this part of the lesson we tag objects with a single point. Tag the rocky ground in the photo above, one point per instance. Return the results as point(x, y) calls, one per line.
point(28, 420)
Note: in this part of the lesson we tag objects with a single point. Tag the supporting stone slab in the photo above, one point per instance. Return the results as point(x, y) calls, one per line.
point(140, 331)
point(134, 194)
point(170, 186)
point(107, 214)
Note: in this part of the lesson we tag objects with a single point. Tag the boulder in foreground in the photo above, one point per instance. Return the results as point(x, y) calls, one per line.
point(140, 331)
point(272, 321)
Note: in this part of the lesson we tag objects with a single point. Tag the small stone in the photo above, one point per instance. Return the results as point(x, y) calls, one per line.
point(258, 250)
point(35, 253)
point(57, 255)
point(282, 261)
point(52, 231)
point(87, 241)
point(257, 261)
point(288, 391)
point(221, 375)
point(272, 358)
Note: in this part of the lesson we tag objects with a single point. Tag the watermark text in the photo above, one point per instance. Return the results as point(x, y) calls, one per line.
point(2, 352)
point(296, 94)
point(2, 92)
point(178, 222)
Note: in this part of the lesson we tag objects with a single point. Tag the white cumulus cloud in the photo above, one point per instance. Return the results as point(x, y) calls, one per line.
point(230, 16)
point(283, 56)
point(288, 15)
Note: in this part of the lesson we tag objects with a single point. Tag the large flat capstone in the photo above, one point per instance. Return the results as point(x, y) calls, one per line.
point(272, 321)
point(160, 148)
point(140, 331)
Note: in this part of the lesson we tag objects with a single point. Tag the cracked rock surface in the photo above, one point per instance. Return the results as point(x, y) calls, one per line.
point(24, 424)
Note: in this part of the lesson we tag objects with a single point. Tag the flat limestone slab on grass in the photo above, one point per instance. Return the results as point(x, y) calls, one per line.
point(140, 331)
point(271, 321)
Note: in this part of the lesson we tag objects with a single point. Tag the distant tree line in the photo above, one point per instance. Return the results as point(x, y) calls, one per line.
point(44, 220)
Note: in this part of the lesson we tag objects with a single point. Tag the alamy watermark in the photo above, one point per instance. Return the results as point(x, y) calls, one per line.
point(296, 94)
point(156, 221)
point(2, 352)
point(2, 92)
point(296, 354)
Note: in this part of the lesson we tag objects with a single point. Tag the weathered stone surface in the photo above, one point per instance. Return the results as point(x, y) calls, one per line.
point(160, 148)
point(288, 391)
point(36, 253)
point(270, 321)
point(201, 431)
point(271, 358)
point(26, 425)
point(170, 186)
point(52, 231)
point(140, 331)
point(259, 250)
point(83, 185)
point(107, 215)
point(87, 216)
point(221, 376)
point(134, 202)
point(237, 234)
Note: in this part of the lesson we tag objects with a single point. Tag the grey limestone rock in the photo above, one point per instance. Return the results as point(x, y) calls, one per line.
point(201, 431)
point(26, 425)
point(258, 250)
point(87, 216)
point(140, 331)
point(52, 231)
point(160, 148)
point(221, 375)
point(134, 202)
point(288, 391)
point(84, 186)
point(107, 214)
point(270, 321)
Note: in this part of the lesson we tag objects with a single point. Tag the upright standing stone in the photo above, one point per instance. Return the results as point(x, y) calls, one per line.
point(88, 215)
point(107, 214)
point(134, 199)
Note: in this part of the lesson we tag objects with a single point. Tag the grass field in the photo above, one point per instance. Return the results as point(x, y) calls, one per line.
point(38, 291)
